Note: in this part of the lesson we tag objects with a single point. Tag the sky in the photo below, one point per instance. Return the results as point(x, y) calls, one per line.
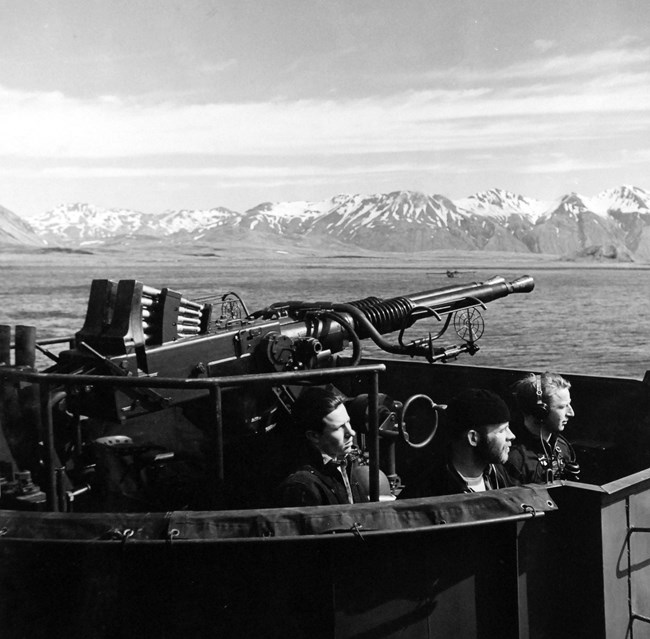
point(155, 105)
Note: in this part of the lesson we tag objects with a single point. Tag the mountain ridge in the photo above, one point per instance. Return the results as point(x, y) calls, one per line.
point(613, 225)
point(16, 231)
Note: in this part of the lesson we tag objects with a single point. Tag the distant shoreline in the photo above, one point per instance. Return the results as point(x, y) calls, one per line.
point(437, 261)
point(443, 260)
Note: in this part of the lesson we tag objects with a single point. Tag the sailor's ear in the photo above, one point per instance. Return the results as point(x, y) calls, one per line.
point(312, 436)
point(472, 437)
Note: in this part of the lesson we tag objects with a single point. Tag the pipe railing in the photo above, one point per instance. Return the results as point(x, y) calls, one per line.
point(635, 616)
point(46, 381)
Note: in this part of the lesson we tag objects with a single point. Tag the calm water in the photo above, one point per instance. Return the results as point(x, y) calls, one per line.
point(580, 320)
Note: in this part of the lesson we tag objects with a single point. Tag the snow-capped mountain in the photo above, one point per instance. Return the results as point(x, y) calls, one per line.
point(625, 199)
point(82, 224)
point(282, 217)
point(500, 204)
point(395, 221)
point(194, 224)
point(617, 220)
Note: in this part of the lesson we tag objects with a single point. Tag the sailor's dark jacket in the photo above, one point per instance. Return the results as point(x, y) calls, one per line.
point(445, 480)
point(530, 461)
point(318, 484)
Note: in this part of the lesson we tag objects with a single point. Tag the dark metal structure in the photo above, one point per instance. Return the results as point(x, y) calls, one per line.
point(137, 474)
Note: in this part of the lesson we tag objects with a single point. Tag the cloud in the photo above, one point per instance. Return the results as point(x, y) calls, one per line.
point(641, 156)
point(567, 165)
point(599, 62)
point(51, 125)
point(238, 172)
point(591, 96)
point(544, 45)
point(622, 56)
point(217, 67)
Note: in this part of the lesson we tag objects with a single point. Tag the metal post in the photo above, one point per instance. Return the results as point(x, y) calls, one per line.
point(373, 419)
point(217, 472)
point(60, 489)
point(5, 345)
point(26, 346)
point(50, 453)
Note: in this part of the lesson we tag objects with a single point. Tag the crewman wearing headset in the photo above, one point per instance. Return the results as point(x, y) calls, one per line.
point(541, 454)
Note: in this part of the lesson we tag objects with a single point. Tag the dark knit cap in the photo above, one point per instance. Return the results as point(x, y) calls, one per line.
point(475, 407)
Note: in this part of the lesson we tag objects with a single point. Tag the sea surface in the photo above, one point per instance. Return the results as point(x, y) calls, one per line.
point(579, 319)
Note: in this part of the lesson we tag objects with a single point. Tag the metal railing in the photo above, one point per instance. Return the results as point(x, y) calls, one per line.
point(634, 616)
point(47, 381)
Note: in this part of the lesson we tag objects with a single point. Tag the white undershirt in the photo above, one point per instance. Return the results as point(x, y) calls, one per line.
point(475, 484)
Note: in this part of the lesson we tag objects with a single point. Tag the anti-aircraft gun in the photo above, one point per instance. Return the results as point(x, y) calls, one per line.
point(114, 417)
point(133, 329)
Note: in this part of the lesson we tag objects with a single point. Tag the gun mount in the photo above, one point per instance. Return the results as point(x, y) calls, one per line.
point(133, 329)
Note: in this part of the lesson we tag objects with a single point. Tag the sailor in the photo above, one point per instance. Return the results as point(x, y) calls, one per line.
point(542, 454)
point(324, 475)
point(478, 425)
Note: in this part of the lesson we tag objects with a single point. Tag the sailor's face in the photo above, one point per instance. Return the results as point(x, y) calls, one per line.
point(559, 411)
point(495, 443)
point(337, 437)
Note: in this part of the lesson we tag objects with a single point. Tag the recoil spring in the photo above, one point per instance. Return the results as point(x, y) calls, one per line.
point(385, 315)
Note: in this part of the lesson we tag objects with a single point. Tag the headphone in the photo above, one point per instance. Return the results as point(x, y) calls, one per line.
point(540, 409)
point(567, 468)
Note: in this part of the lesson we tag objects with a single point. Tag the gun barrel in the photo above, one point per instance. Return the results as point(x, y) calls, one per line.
point(386, 316)
point(450, 299)
point(373, 316)
point(497, 285)
point(426, 296)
